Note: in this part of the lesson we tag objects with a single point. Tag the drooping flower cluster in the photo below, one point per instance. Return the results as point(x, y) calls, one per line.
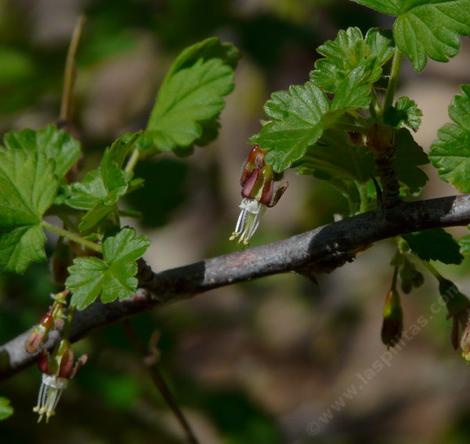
point(259, 190)
point(57, 369)
point(59, 365)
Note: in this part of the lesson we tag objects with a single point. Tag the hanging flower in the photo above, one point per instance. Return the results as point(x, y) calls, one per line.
point(57, 369)
point(392, 326)
point(258, 192)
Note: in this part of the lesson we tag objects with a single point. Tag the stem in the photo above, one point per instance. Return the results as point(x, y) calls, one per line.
point(69, 73)
point(432, 269)
point(162, 386)
point(393, 81)
point(72, 236)
point(132, 162)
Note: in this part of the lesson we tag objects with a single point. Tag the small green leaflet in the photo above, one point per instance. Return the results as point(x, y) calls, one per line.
point(56, 144)
point(334, 156)
point(426, 28)
point(409, 156)
point(111, 278)
point(101, 189)
point(405, 113)
point(296, 124)
point(349, 51)
point(28, 187)
point(6, 410)
point(434, 244)
point(191, 98)
point(450, 153)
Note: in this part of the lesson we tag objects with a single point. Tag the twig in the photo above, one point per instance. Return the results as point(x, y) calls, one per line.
point(159, 381)
point(329, 244)
point(69, 73)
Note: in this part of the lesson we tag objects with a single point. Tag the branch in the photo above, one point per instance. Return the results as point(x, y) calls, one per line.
point(322, 249)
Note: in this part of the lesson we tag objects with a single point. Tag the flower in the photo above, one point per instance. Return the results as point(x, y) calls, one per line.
point(392, 326)
point(258, 192)
point(50, 392)
point(57, 369)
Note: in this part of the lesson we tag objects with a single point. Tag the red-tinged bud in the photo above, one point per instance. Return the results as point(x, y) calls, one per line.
point(66, 364)
point(251, 185)
point(43, 362)
point(81, 361)
point(37, 337)
point(392, 326)
point(255, 160)
point(47, 321)
point(267, 193)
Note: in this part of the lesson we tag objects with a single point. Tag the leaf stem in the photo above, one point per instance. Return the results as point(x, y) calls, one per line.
point(69, 74)
point(393, 81)
point(132, 162)
point(72, 236)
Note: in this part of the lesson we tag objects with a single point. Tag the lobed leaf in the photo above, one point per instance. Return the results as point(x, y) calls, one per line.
point(435, 244)
point(111, 278)
point(191, 98)
point(349, 51)
point(409, 156)
point(56, 144)
point(405, 113)
point(296, 123)
point(450, 153)
point(28, 187)
point(426, 28)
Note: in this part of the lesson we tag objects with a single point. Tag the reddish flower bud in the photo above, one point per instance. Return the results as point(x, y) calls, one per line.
point(43, 361)
point(46, 321)
point(37, 337)
point(251, 184)
point(392, 325)
point(66, 364)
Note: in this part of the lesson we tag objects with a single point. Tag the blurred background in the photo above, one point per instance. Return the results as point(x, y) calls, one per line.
point(278, 360)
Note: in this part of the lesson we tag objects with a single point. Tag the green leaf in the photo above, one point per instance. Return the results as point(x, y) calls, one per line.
point(296, 123)
point(410, 277)
point(426, 28)
point(435, 244)
point(27, 189)
point(405, 113)
point(450, 153)
point(408, 157)
point(101, 189)
point(191, 98)
point(335, 157)
point(354, 91)
point(111, 278)
point(6, 410)
point(349, 51)
point(56, 144)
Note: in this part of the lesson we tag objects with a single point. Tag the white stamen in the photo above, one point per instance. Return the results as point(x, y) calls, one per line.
point(248, 220)
point(49, 395)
